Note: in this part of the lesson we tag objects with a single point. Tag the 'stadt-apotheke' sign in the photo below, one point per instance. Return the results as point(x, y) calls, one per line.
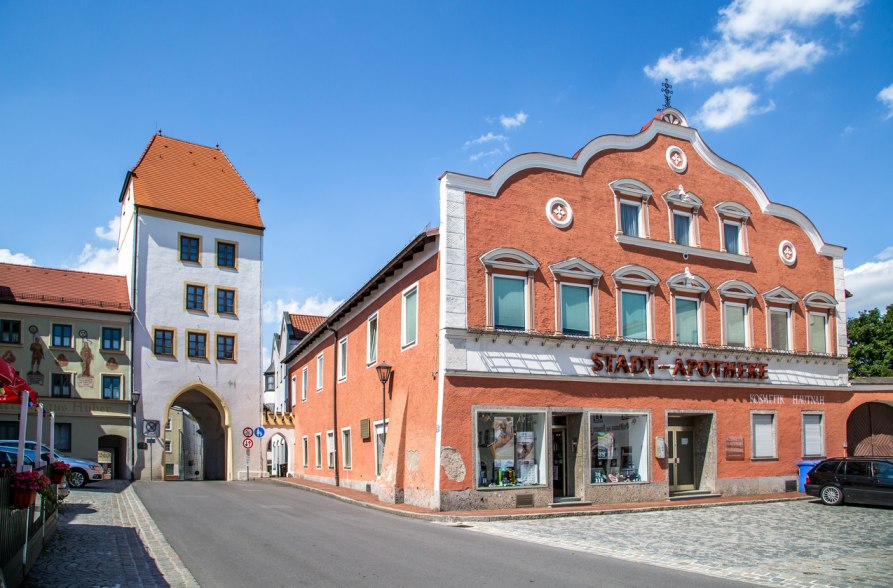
point(614, 363)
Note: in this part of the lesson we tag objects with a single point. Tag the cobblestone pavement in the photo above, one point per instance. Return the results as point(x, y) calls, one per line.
point(800, 543)
point(106, 538)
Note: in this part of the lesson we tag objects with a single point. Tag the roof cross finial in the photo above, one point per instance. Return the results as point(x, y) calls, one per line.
point(666, 88)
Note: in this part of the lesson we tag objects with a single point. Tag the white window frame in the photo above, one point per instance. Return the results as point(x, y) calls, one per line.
point(342, 359)
point(722, 318)
point(318, 439)
point(640, 225)
point(691, 227)
point(404, 344)
point(700, 313)
point(305, 450)
point(649, 331)
point(168, 426)
point(740, 225)
point(320, 366)
point(560, 314)
point(305, 377)
point(753, 447)
point(375, 426)
point(803, 416)
point(827, 320)
point(527, 317)
point(790, 324)
point(294, 393)
point(346, 448)
point(371, 357)
point(333, 452)
point(168, 446)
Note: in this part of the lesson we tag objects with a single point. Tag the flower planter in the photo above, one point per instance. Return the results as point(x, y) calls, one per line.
point(23, 498)
point(57, 477)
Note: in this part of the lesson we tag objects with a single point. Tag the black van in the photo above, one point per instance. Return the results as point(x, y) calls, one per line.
point(863, 480)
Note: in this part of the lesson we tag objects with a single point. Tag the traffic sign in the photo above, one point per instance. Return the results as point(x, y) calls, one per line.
point(259, 432)
point(247, 432)
point(150, 440)
point(247, 443)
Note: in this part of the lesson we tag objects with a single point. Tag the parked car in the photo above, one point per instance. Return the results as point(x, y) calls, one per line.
point(862, 480)
point(83, 471)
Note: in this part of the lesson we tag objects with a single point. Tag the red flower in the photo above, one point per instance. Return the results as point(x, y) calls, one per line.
point(34, 481)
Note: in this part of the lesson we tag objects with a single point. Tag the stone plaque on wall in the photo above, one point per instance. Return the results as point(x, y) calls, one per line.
point(734, 448)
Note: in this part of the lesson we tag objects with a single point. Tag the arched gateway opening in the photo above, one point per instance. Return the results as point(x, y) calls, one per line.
point(196, 436)
point(277, 456)
point(869, 430)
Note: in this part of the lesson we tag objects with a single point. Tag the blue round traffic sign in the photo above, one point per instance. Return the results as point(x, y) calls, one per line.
point(259, 432)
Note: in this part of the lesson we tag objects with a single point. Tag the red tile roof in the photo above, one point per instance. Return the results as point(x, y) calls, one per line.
point(186, 178)
point(302, 324)
point(24, 284)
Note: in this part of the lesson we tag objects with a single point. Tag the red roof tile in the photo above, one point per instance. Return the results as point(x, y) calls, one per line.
point(186, 178)
point(24, 284)
point(303, 324)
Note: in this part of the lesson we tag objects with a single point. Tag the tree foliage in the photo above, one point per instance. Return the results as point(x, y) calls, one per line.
point(870, 339)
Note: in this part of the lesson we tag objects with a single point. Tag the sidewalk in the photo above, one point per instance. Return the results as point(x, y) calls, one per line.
point(106, 537)
point(367, 500)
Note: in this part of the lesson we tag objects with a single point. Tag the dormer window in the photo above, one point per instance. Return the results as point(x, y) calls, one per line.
point(635, 290)
point(779, 304)
point(509, 274)
point(576, 285)
point(631, 207)
point(820, 309)
point(736, 299)
point(733, 223)
point(683, 209)
point(688, 296)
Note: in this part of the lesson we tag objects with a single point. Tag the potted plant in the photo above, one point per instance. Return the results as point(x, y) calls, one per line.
point(58, 470)
point(25, 486)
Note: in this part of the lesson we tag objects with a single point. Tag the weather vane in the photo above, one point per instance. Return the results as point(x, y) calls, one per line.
point(666, 89)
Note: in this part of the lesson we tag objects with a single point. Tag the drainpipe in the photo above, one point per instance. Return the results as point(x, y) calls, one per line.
point(335, 402)
point(133, 433)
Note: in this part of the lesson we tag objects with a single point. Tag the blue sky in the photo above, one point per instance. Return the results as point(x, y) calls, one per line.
point(341, 116)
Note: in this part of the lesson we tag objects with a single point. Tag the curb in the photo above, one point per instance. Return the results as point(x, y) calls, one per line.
point(451, 518)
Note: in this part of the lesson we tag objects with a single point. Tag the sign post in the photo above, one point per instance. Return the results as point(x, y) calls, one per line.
point(247, 443)
point(261, 454)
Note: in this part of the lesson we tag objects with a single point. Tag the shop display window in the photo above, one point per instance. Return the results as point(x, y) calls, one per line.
point(619, 448)
point(510, 449)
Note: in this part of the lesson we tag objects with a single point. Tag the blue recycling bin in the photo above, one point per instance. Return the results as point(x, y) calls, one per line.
point(804, 467)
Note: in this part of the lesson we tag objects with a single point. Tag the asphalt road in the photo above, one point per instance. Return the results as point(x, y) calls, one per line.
point(264, 534)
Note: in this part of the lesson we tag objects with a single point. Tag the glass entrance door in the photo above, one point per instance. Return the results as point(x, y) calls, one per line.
point(681, 462)
point(559, 481)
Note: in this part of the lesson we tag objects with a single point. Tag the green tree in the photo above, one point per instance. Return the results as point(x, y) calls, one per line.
point(870, 339)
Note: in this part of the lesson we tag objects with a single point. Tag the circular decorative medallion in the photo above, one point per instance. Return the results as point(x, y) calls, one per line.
point(82, 333)
point(676, 159)
point(559, 213)
point(787, 252)
point(32, 329)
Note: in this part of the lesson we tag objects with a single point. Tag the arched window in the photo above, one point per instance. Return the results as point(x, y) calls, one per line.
point(687, 313)
point(509, 289)
point(576, 297)
point(733, 227)
point(736, 297)
point(682, 209)
point(779, 313)
point(631, 208)
point(635, 293)
point(820, 309)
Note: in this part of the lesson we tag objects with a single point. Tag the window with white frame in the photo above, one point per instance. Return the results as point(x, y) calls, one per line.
point(635, 287)
point(510, 302)
point(342, 359)
point(631, 205)
point(304, 377)
point(813, 434)
point(576, 309)
point(167, 446)
point(763, 435)
point(318, 440)
point(381, 430)
point(736, 297)
point(577, 302)
point(629, 218)
point(305, 450)
point(346, 449)
point(509, 275)
point(683, 209)
point(733, 219)
point(291, 393)
point(410, 316)
point(319, 373)
point(330, 449)
point(731, 236)
point(682, 228)
point(372, 339)
point(688, 295)
point(820, 307)
point(779, 329)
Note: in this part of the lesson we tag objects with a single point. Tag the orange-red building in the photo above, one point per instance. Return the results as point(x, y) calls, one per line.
point(636, 322)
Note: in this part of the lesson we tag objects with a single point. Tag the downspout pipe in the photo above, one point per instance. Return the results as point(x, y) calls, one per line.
point(335, 401)
point(133, 433)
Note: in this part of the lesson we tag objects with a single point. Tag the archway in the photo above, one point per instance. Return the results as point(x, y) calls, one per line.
point(112, 452)
point(869, 430)
point(196, 436)
point(277, 456)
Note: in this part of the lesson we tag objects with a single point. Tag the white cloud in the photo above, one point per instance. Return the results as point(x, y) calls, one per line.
point(750, 18)
point(847, 130)
point(272, 311)
point(7, 256)
point(513, 122)
point(871, 284)
point(729, 107)
point(885, 254)
point(98, 260)
point(488, 138)
point(885, 97)
point(110, 231)
point(484, 154)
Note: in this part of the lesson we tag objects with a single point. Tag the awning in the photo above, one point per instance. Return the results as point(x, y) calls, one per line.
point(12, 386)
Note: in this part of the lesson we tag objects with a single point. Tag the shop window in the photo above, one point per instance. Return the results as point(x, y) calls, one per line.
point(330, 449)
point(197, 345)
point(10, 332)
point(226, 347)
point(733, 219)
point(62, 336)
point(381, 431)
point(763, 435)
point(195, 297)
point(631, 208)
point(410, 317)
point(509, 275)
point(346, 449)
point(62, 436)
point(163, 342)
point(813, 434)
point(305, 450)
point(575, 310)
point(372, 339)
point(111, 339)
point(111, 387)
point(319, 373)
point(304, 383)
point(226, 254)
point(509, 303)
point(511, 449)
point(226, 301)
point(342, 359)
point(318, 446)
point(190, 249)
point(818, 332)
point(618, 446)
point(61, 385)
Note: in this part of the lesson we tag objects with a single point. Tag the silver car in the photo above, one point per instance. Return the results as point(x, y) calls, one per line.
point(83, 471)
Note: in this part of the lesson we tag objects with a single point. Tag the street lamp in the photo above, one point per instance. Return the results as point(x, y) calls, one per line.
point(384, 374)
point(135, 398)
